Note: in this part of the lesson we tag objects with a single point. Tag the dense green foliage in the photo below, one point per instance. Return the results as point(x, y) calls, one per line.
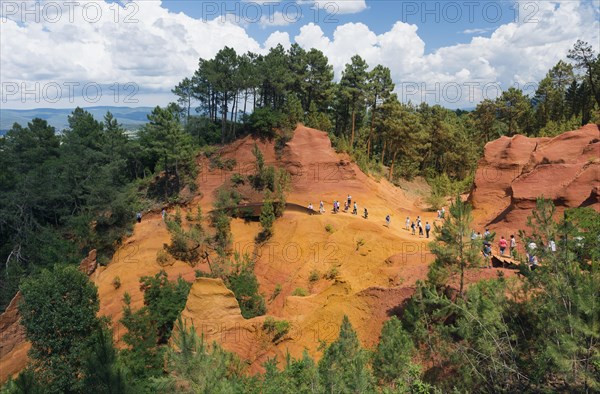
point(366, 119)
point(70, 349)
point(454, 249)
point(185, 243)
point(149, 328)
point(537, 334)
point(62, 195)
point(239, 277)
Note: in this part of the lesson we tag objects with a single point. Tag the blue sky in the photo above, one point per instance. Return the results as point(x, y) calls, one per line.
point(440, 23)
point(131, 53)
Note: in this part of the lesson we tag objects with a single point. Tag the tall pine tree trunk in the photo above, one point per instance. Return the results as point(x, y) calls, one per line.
point(383, 151)
point(392, 166)
point(353, 123)
point(233, 112)
point(224, 120)
point(245, 101)
point(371, 133)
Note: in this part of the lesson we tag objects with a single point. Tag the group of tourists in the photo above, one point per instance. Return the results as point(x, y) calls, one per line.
point(336, 207)
point(348, 203)
point(507, 247)
point(413, 226)
point(441, 213)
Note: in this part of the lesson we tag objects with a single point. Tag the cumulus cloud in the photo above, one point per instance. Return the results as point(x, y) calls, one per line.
point(477, 31)
point(516, 54)
point(154, 49)
point(107, 45)
point(335, 7)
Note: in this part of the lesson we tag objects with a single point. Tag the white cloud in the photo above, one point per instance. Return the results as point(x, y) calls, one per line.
point(476, 31)
point(276, 38)
point(156, 48)
point(336, 7)
point(515, 53)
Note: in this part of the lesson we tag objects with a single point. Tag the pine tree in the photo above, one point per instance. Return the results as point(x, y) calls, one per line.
point(379, 87)
point(453, 248)
point(352, 85)
point(344, 368)
point(393, 355)
point(267, 217)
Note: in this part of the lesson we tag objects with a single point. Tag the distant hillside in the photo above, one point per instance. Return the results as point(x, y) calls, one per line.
point(130, 118)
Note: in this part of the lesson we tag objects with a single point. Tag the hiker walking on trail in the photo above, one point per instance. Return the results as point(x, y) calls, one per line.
point(487, 234)
point(310, 206)
point(502, 245)
point(349, 200)
point(321, 207)
point(346, 206)
point(412, 226)
point(427, 228)
point(487, 254)
point(420, 229)
point(513, 244)
point(164, 214)
point(407, 223)
point(138, 216)
point(366, 214)
point(443, 212)
point(388, 219)
point(355, 210)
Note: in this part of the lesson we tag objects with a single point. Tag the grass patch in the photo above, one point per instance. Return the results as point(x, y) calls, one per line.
point(276, 328)
point(332, 273)
point(276, 291)
point(314, 276)
point(300, 292)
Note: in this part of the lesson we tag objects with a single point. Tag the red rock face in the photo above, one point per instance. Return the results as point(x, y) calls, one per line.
point(13, 344)
point(515, 171)
point(88, 265)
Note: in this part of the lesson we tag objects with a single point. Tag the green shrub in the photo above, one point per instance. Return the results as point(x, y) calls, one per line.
point(331, 274)
point(202, 274)
point(116, 282)
point(162, 257)
point(242, 281)
point(218, 163)
point(329, 228)
point(189, 216)
point(185, 244)
point(267, 217)
point(178, 219)
point(435, 201)
point(300, 292)
point(314, 276)
point(277, 328)
point(276, 291)
point(237, 179)
point(264, 121)
point(281, 141)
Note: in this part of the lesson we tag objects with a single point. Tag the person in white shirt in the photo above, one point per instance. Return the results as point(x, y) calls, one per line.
point(552, 246)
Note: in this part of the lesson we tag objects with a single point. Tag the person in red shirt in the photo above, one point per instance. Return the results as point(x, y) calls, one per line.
point(502, 244)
